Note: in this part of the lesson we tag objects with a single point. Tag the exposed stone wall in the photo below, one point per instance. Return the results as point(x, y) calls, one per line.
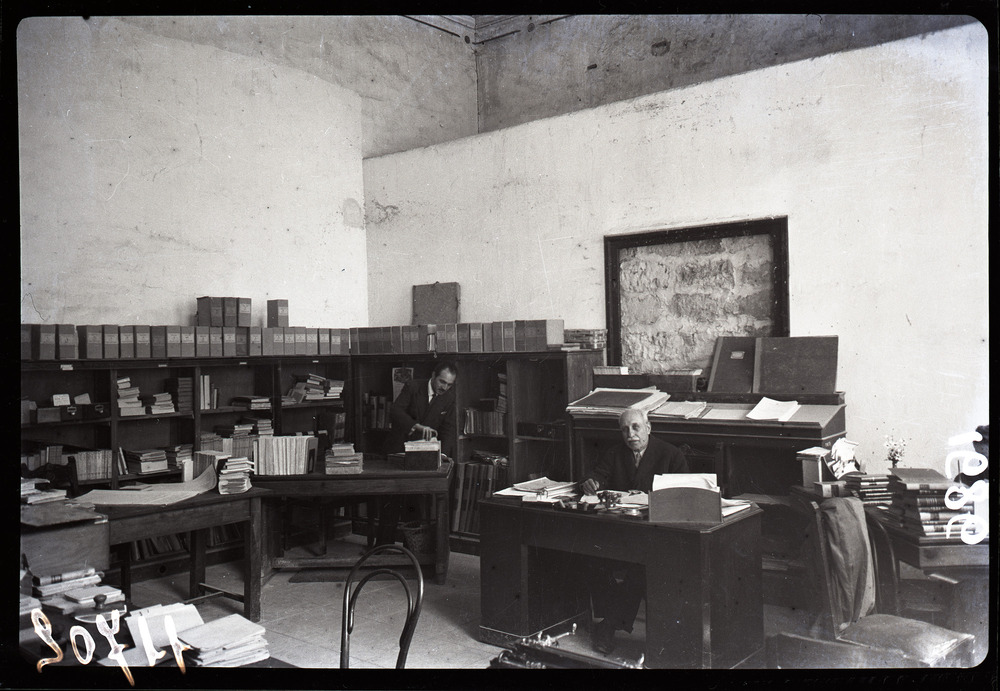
point(677, 297)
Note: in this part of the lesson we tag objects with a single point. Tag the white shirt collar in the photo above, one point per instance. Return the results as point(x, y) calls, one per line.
point(430, 390)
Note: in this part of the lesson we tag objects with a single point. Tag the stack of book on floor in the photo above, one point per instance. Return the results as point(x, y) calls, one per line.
point(252, 402)
point(182, 389)
point(128, 398)
point(918, 503)
point(231, 641)
point(37, 491)
point(159, 403)
point(342, 459)
point(72, 590)
point(872, 490)
point(234, 475)
point(144, 461)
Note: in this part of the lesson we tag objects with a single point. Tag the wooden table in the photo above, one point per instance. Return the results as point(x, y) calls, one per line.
point(196, 516)
point(703, 583)
point(379, 477)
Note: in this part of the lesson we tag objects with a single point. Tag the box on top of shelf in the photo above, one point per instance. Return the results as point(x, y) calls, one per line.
point(143, 343)
point(476, 338)
point(158, 342)
point(255, 340)
point(26, 341)
point(67, 342)
point(215, 341)
point(43, 341)
point(188, 348)
point(540, 334)
point(243, 313)
point(464, 333)
point(110, 332)
point(230, 311)
point(242, 341)
point(91, 339)
point(209, 311)
point(126, 341)
point(228, 341)
point(277, 313)
point(173, 333)
point(202, 341)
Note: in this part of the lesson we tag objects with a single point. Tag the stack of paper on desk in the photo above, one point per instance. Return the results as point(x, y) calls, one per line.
point(602, 402)
point(232, 641)
point(769, 409)
point(540, 490)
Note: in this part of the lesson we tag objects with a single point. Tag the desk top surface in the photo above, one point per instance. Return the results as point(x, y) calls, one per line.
point(516, 504)
point(373, 469)
point(208, 498)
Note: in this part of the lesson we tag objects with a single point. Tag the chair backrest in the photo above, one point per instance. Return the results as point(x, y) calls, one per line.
point(844, 567)
point(886, 568)
point(351, 596)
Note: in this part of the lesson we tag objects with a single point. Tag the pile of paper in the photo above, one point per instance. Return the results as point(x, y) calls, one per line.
point(234, 475)
point(231, 641)
point(541, 490)
point(770, 409)
point(679, 409)
point(604, 402)
point(342, 459)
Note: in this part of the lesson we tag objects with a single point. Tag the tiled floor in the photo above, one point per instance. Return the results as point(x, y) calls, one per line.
point(303, 619)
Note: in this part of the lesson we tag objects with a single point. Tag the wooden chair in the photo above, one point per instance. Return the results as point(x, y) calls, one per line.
point(872, 639)
point(927, 599)
point(351, 597)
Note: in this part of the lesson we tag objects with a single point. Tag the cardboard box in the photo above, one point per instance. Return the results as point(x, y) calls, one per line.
point(685, 505)
point(202, 341)
point(91, 339)
point(243, 313)
point(277, 313)
point(188, 348)
point(242, 341)
point(158, 342)
point(43, 341)
point(230, 311)
point(126, 342)
point(26, 341)
point(173, 333)
point(814, 468)
point(228, 341)
point(255, 341)
point(67, 342)
point(267, 340)
point(110, 332)
point(209, 311)
point(215, 341)
point(143, 342)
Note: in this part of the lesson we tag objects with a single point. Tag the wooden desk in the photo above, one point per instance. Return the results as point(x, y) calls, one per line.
point(733, 442)
point(703, 583)
point(378, 478)
point(196, 515)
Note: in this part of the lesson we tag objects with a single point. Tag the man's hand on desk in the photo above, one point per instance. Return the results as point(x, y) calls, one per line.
point(590, 486)
point(426, 433)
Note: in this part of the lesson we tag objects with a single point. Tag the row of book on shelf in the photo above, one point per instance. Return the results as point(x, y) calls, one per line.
point(484, 473)
point(128, 341)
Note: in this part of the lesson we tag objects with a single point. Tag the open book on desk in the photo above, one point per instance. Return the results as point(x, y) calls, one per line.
point(540, 490)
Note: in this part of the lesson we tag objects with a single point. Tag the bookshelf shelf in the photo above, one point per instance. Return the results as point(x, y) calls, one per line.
point(525, 437)
point(143, 476)
point(226, 409)
point(314, 404)
point(145, 418)
point(65, 423)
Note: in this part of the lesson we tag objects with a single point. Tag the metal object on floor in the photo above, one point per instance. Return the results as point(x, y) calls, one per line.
point(543, 652)
point(351, 597)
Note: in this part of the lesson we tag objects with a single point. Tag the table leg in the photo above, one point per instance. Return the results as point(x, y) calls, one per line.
point(443, 549)
point(125, 556)
point(253, 567)
point(198, 541)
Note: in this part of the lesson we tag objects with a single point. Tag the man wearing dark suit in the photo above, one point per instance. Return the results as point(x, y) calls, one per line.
point(617, 588)
point(424, 409)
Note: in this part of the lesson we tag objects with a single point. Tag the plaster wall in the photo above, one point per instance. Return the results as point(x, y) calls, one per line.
point(877, 157)
point(155, 170)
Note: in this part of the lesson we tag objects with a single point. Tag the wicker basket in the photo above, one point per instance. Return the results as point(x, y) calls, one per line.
point(418, 537)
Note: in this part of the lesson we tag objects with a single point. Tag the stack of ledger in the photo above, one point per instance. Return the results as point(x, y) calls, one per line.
point(159, 403)
point(342, 459)
point(146, 461)
point(182, 389)
point(262, 426)
point(252, 402)
point(128, 398)
point(231, 641)
point(181, 457)
point(234, 475)
point(53, 590)
point(240, 436)
point(918, 503)
point(308, 387)
point(38, 491)
point(872, 490)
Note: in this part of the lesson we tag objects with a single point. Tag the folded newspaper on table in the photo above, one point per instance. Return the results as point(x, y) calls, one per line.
point(540, 490)
point(604, 402)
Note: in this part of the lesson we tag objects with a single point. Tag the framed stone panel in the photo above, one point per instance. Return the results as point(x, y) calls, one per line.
point(671, 293)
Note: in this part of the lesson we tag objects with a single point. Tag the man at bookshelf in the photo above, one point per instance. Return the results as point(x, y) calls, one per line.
point(424, 409)
point(617, 588)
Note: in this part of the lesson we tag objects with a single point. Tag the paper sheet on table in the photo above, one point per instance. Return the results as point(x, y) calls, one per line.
point(701, 481)
point(770, 409)
point(166, 493)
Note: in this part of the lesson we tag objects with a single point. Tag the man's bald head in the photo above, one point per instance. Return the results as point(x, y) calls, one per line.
point(634, 426)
